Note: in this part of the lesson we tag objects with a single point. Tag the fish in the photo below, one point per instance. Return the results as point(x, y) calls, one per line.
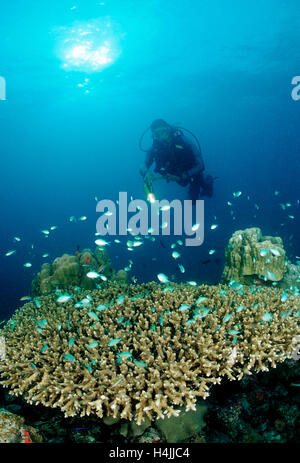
point(16, 238)
point(92, 345)
point(175, 255)
point(117, 382)
point(184, 307)
point(64, 298)
point(114, 342)
point(163, 278)
point(267, 317)
point(101, 268)
point(93, 275)
point(165, 208)
point(192, 283)
point(82, 218)
point(213, 227)
point(271, 276)
point(10, 253)
point(263, 252)
point(25, 298)
point(227, 317)
point(93, 316)
point(120, 300)
point(72, 218)
point(45, 255)
point(124, 355)
point(28, 264)
point(70, 358)
point(101, 242)
point(181, 268)
point(45, 232)
point(237, 194)
point(211, 252)
point(195, 227)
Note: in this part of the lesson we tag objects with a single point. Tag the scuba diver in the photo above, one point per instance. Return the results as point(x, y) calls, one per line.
point(176, 159)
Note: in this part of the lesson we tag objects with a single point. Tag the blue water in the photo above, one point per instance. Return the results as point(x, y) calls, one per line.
point(70, 133)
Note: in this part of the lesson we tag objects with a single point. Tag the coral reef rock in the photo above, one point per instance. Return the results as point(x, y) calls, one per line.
point(13, 431)
point(251, 256)
point(190, 423)
point(70, 271)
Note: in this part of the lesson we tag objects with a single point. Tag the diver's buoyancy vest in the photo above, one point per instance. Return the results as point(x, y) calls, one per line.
point(175, 158)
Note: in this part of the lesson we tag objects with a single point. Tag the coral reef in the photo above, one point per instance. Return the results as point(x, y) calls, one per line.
point(251, 256)
point(12, 430)
point(137, 352)
point(70, 271)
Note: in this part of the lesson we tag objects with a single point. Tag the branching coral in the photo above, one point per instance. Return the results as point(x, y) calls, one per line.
point(136, 351)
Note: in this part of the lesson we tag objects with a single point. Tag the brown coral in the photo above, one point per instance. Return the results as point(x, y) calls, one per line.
point(143, 351)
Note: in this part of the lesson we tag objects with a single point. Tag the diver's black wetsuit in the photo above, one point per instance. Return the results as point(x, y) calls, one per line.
point(183, 159)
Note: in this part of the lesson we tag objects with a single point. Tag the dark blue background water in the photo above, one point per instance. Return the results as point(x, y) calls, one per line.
point(221, 69)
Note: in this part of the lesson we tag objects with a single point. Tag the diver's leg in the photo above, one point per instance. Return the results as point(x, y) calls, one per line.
point(208, 186)
point(195, 185)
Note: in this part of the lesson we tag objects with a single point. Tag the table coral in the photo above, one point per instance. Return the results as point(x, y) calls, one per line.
point(143, 351)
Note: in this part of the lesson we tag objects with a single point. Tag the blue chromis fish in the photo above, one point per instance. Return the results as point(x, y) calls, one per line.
point(124, 355)
point(163, 278)
point(11, 252)
point(63, 298)
point(184, 307)
point(181, 268)
point(92, 344)
point(70, 358)
point(263, 252)
point(267, 317)
point(114, 342)
point(101, 242)
point(275, 252)
point(92, 275)
point(93, 316)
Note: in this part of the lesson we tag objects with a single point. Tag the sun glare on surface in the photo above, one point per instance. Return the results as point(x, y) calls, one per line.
point(90, 47)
